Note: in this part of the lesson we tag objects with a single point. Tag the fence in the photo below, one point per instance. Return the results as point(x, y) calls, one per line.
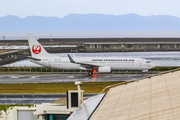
point(48, 70)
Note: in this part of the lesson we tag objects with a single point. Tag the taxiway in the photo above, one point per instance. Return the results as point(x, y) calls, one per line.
point(56, 78)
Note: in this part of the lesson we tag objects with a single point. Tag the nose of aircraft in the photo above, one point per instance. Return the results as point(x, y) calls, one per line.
point(153, 65)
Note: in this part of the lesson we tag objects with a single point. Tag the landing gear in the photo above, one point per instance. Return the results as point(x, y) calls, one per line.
point(90, 73)
point(144, 71)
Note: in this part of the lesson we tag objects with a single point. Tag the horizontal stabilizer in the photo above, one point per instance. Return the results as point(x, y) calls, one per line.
point(33, 58)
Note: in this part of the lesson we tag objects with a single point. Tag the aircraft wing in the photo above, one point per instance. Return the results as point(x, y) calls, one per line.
point(33, 58)
point(83, 64)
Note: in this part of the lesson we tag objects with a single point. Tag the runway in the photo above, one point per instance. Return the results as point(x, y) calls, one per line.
point(28, 99)
point(56, 78)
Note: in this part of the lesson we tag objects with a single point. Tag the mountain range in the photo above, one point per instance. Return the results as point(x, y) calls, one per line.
point(90, 22)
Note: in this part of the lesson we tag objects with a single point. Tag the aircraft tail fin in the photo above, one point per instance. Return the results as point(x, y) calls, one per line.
point(37, 51)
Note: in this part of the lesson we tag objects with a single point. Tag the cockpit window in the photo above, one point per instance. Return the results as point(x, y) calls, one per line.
point(148, 61)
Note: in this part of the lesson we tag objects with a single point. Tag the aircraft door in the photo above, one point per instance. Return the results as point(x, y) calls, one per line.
point(140, 63)
point(50, 62)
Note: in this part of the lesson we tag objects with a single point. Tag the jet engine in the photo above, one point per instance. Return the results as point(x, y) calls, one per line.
point(144, 70)
point(104, 69)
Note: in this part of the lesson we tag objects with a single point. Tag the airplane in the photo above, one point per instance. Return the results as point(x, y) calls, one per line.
point(92, 64)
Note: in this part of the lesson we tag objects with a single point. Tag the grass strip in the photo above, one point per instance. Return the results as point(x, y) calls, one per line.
point(88, 87)
point(3, 107)
point(163, 68)
point(4, 50)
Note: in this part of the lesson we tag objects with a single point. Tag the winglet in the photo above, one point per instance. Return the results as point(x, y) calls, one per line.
point(70, 59)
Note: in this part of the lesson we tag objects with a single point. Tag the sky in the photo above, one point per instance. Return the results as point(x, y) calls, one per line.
point(61, 8)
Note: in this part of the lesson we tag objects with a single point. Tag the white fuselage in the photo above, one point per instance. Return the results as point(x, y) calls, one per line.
point(115, 63)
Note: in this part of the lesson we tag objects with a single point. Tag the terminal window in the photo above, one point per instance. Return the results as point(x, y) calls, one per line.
point(56, 116)
point(74, 99)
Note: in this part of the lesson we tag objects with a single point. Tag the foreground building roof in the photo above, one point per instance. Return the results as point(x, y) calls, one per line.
point(157, 98)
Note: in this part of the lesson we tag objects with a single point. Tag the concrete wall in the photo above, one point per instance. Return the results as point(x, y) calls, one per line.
point(118, 47)
point(95, 40)
point(87, 40)
point(128, 47)
point(105, 44)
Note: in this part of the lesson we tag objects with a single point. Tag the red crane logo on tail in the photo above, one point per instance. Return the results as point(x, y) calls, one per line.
point(36, 49)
